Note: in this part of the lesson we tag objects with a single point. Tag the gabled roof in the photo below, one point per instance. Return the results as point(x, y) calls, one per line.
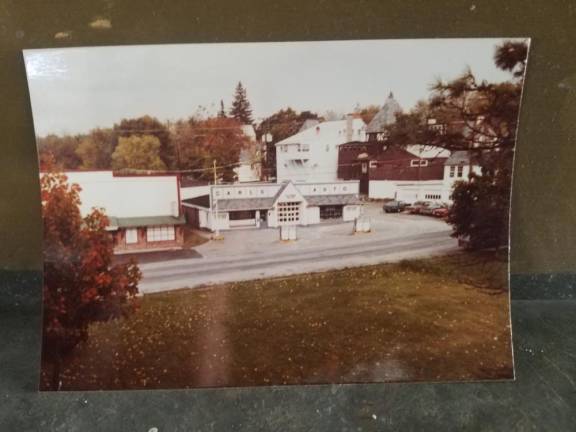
point(201, 201)
point(328, 132)
point(386, 116)
point(285, 186)
point(427, 151)
point(308, 124)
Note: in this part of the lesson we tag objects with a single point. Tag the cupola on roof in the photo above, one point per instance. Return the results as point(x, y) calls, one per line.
point(386, 116)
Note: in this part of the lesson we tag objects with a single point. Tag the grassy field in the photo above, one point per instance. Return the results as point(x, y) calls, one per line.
point(438, 319)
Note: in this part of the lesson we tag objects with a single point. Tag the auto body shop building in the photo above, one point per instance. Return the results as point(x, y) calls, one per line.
point(270, 204)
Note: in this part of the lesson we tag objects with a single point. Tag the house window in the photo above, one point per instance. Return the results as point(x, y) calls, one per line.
point(160, 233)
point(305, 147)
point(460, 171)
point(452, 171)
point(131, 236)
point(432, 196)
point(288, 212)
point(418, 162)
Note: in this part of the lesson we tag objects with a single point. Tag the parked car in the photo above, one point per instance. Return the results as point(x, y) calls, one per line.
point(429, 209)
point(417, 207)
point(441, 212)
point(394, 206)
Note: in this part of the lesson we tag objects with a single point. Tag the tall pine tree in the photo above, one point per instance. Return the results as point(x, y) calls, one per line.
point(241, 109)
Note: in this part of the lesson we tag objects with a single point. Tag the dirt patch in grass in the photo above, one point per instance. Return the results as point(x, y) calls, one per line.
point(441, 319)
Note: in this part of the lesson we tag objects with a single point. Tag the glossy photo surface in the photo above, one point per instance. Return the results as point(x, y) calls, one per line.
point(247, 214)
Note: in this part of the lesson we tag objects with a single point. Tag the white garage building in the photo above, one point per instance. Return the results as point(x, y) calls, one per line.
point(272, 204)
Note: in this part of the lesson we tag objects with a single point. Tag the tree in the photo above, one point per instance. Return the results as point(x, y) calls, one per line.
point(480, 118)
point(511, 56)
point(62, 149)
point(480, 212)
point(222, 112)
point(241, 109)
point(95, 150)
point(278, 126)
point(138, 152)
point(148, 125)
point(201, 142)
point(367, 113)
point(81, 285)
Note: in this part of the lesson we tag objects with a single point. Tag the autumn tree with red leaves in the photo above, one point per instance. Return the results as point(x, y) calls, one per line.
point(81, 283)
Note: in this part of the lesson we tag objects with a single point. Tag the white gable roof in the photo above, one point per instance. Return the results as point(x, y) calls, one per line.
point(427, 151)
point(330, 132)
point(288, 193)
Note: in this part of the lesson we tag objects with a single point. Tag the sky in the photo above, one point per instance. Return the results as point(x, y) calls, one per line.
point(74, 90)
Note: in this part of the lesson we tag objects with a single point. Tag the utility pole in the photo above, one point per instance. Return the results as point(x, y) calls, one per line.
point(216, 216)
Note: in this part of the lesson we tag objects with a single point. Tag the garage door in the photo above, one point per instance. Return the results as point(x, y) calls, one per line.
point(407, 196)
point(331, 212)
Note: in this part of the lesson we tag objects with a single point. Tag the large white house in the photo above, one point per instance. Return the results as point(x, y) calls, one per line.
point(311, 155)
point(143, 210)
point(271, 204)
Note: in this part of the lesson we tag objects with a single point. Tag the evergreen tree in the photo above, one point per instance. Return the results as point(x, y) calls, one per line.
point(222, 112)
point(481, 119)
point(241, 109)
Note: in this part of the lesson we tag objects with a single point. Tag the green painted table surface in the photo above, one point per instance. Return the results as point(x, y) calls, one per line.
point(543, 397)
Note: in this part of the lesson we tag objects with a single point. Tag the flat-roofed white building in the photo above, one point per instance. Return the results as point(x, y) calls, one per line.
point(143, 210)
point(273, 204)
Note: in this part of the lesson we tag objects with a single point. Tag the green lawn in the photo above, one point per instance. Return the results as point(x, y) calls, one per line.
point(438, 319)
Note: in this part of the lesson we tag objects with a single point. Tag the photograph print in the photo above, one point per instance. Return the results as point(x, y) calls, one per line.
point(249, 214)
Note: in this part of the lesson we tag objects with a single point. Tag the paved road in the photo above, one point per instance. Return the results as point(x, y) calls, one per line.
point(163, 276)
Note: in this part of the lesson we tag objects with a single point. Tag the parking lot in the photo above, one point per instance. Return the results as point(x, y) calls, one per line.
point(245, 254)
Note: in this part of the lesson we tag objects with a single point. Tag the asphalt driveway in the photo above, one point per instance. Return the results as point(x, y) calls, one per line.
point(258, 253)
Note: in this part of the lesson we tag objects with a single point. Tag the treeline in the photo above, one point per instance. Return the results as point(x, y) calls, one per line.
point(191, 146)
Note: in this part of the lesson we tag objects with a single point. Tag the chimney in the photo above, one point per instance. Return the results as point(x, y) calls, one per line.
point(349, 127)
